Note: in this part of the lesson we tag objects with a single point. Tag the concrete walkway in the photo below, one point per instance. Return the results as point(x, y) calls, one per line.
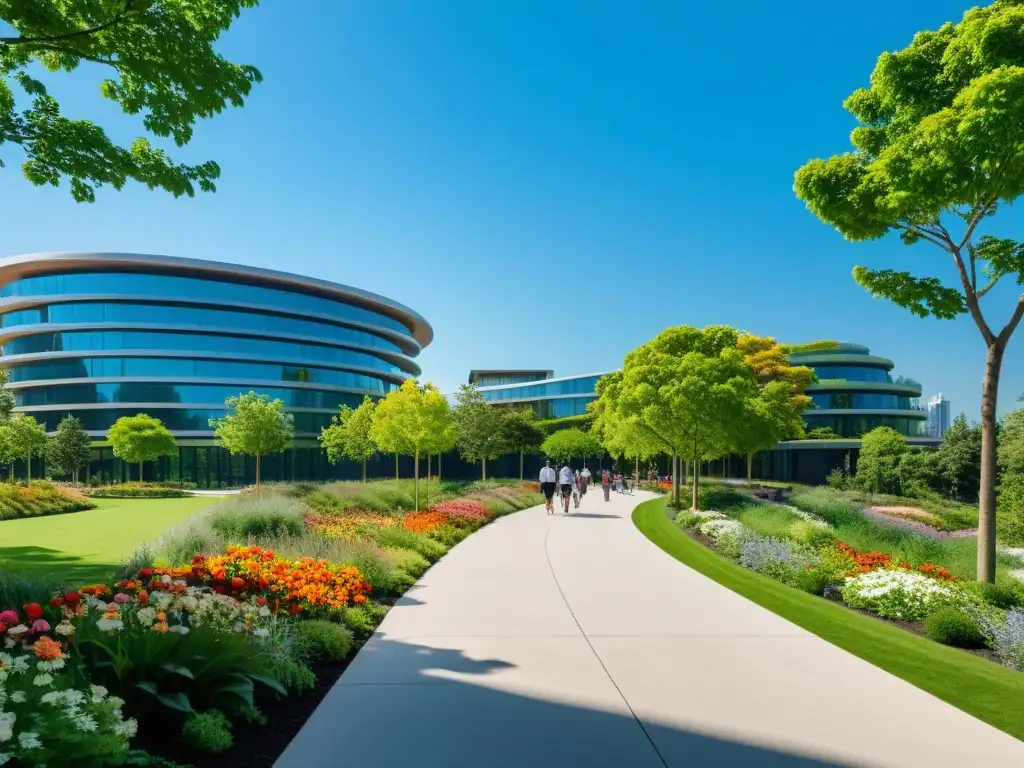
point(573, 641)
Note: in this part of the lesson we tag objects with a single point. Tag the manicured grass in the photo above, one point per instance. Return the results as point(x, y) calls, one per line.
point(982, 688)
point(84, 547)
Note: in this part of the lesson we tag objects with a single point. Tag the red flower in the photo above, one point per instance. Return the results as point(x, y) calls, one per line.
point(146, 573)
point(294, 608)
point(261, 601)
point(262, 584)
point(34, 611)
point(219, 589)
point(237, 584)
point(143, 597)
point(3, 627)
point(56, 602)
point(71, 597)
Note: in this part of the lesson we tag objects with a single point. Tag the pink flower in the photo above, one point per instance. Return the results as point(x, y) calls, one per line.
point(9, 617)
point(40, 625)
point(122, 598)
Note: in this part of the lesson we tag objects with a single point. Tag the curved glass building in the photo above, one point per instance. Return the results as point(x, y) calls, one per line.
point(550, 398)
point(103, 335)
point(856, 393)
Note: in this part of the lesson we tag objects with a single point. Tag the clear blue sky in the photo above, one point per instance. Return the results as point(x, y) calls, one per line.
point(549, 183)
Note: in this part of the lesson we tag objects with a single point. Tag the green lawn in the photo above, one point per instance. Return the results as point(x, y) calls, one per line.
point(84, 547)
point(988, 691)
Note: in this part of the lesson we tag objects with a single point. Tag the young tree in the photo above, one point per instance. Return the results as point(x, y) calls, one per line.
point(775, 409)
point(479, 428)
point(25, 437)
point(160, 58)
point(406, 421)
point(960, 458)
point(878, 466)
point(69, 449)
point(348, 436)
point(140, 438)
point(520, 433)
point(255, 426)
point(6, 396)
point(822, 433)
point(939, 150)
point(569, 444)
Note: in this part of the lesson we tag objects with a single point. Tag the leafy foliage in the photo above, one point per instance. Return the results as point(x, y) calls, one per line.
point(69, 450)
point(960, 458)
point(569, 444)
point(1011, 441)
point(520, 432)
point(478, 426)
point(162, 64)
point(878, 466)
point(141, 438)
point(23, 436)
point(349, 435)
point(952, 627)
point(208, 731)
point(256, 426)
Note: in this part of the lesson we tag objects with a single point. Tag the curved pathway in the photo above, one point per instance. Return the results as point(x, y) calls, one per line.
point(558, 641)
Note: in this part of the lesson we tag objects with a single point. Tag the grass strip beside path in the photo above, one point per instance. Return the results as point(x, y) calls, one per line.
point(83, 547)
point(990, 692)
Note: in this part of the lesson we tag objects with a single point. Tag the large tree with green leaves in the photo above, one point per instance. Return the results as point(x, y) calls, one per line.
point(348, 436)
point(938, 151)
point(25, 437)
point(140, 438)
point(406, 421)
point(571, 444)
point(878, 465)
point(960, 458)
point(478, 424)
point(69, 450)
point(254, 426)
point(155, 57)
point(520, 433)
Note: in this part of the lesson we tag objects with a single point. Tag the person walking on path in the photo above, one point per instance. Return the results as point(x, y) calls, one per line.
point(565, 480)
point(547, 485)
point(584, 482)
point(576, 490)
point(606, 484)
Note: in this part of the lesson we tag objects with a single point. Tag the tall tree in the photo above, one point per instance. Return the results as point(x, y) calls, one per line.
point(161, 62)
point(255, 426)
point(69, 450)
point(25, 437)
point(938, 151)
point(405, 422)
point(569, 444)
point(774, 411)
point(960, 458)
point(520, 433)
point(479, 428)
point(140, 438)
point(348, 436)
point(878, 466)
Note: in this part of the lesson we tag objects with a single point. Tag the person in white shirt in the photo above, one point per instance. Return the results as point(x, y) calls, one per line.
point(547, 485)
point(565, 480)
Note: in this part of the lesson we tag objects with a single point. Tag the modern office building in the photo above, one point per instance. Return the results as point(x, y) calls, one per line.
point(103, 335)
point(550, 398)
point(938, 416)
point(499, 378)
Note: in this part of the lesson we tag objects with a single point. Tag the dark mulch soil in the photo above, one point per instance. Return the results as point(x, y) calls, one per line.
point(256, 746)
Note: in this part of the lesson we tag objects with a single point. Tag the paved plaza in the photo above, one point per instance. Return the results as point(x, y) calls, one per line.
point(573, 641)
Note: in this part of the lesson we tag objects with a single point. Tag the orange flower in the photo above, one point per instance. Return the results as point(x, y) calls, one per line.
point(48, 649)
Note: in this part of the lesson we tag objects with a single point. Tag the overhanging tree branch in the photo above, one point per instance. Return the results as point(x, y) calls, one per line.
point(127, 8)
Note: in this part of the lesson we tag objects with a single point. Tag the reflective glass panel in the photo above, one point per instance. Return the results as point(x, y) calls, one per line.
point(114, 312)
point(75, 341)
point(165, 367)
point(156, 392)
point(173, 418)
point(854, 426)
point(869, 400)
point(579, 386)
point(850, 373)
point(173, 286)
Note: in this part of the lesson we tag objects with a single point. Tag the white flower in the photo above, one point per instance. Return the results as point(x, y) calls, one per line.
point(165, 579)
point(127, 728)
point(115, 702)
point(53, 697)
point(190, 602)
point(65, 628)
point(181, 629)
point(10, 642)
point(264, 612)
point(720, 529)
point(43, 679)
point(20, 664)
point(18, 697)
point(74, 697)
point(261, 632)
point(99, 693)
point(84, 722)
point(5, 659)
point(7, 725)
point(146, 616)
point(50, 666)
point(5, 758)
point(18, 630)
point(110, 625)
point(29, 740)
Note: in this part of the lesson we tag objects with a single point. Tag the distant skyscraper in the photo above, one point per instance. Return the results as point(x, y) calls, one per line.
point(938, 416)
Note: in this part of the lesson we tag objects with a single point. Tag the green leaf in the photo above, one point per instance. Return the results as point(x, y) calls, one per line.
point(178, 701)
point(244, 692)
point(148, 686)
point(271, 683)
point(178, 669)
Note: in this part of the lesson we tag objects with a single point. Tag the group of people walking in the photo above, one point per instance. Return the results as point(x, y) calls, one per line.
point(572, 485)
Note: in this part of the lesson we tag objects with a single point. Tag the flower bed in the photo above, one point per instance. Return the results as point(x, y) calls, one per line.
point(37, 499)
point(136, 490)
point(347, 525)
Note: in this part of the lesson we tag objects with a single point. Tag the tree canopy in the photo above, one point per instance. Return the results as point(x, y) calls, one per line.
point(69, 449)
point(24, 438)
point(1011, 441)
point(140, 438)
point(937, 152)
point(571, 444)
point(878, 466)
point(520, 433)
point(255, 426)
point(478, 424)
point(154, 57)
point(349, 436)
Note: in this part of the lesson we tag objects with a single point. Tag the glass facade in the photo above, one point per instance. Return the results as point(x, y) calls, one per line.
point(502, 379)
point(171, 315)
point(179, 337)
point(553, 388)
point(162, 287)
point(836, 389)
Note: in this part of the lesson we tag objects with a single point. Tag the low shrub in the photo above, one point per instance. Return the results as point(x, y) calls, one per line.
point(136, 490)
point(209, 731)
point(37, 499)
point(243, 518)
point(774, 558)
point(449, 535)
point(1006, 635)
point(295, 676)
point(397, 537)
point(1005, 596)
point(316, 639)
point(812, 535)
point(896, 594)
point(950, 626)
point(409, 561)
point(815, 580)
point(363, 619)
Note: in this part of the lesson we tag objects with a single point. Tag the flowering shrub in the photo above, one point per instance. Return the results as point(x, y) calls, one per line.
point(463, 512)
point(38, 498)
point(692, 519)
point(718, 530)
point(896, 594)
point(772, 557)
point(869, 561)
point(1006, 635)
point(424, 522)
point(347, 526)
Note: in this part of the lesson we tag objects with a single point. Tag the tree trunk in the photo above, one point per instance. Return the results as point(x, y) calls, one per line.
point(675, 480)
point(521, 475)
point(28, 468)
point(439, 469)
point(484, 466)
point(987, 491)
point(416, 478)
point(257, 473)
point(396, 466)
point(428, 481)
point(694, 503)
point(750, 469)
point(364, 469)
